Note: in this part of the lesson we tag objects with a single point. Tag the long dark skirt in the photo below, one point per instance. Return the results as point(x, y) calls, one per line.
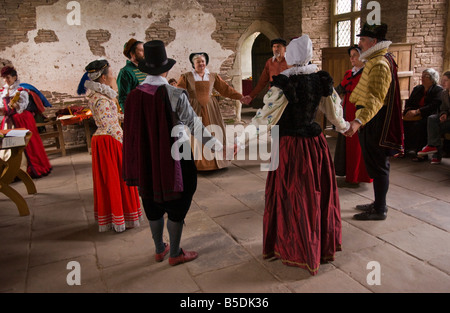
point(302, 218)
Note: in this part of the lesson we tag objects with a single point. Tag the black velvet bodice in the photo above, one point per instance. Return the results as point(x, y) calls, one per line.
point(304, 93)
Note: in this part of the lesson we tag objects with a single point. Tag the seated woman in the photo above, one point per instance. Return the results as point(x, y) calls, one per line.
point(424, 101)
point(15, 113)
point(438, 124)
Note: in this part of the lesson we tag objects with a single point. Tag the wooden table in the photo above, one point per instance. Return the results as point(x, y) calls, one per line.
point(9, 170)
point(78, 119)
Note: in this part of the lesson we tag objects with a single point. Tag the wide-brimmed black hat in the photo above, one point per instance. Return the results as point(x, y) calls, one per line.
point(156, 61)
point(192, 55)
point(374, 31)
point(278, 40)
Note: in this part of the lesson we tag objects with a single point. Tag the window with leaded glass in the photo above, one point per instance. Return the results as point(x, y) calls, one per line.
point(346, 22)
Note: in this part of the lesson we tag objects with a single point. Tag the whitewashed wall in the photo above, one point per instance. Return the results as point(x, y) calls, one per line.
point(58, 66)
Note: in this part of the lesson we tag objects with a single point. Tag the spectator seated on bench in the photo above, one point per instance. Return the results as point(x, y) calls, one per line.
point(439, 125)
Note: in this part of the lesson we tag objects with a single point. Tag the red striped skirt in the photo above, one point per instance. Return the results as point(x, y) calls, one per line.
point(302, 218)
point(116, 205)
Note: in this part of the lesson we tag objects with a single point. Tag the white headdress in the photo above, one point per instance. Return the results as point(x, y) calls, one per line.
point(299, 53)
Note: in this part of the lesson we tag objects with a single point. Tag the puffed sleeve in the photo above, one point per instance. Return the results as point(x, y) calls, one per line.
point(22, 101)
point(332, 108)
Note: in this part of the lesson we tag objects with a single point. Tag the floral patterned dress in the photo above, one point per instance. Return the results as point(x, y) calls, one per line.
point(116, 205)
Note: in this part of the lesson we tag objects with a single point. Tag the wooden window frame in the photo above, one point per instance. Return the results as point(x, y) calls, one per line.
point(335, 18)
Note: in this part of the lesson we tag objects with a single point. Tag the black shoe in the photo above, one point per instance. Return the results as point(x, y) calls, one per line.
point(370, 215)
point(365, 207)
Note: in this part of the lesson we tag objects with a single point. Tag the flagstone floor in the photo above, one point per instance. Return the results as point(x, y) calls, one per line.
point(411, 247)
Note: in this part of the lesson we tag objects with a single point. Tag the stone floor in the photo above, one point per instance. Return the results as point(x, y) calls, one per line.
point(411, 247)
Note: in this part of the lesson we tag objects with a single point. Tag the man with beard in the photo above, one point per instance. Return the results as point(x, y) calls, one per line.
point(274, 66)
point(130, 76)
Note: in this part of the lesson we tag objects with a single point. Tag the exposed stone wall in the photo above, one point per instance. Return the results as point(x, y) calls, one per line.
point(292, 18)
point(36, 32)
point(316, 16)
point(422, 23)
point(427, 23)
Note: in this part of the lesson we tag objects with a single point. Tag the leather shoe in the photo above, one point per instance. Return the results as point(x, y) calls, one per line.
point(370, 215)
point(185, 256)
point(365, 207)
point(159, 257)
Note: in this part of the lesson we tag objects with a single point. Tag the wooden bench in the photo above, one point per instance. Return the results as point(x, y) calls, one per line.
point(53, 131)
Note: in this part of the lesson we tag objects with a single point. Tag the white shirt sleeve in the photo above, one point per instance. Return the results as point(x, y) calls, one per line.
point(332, 108)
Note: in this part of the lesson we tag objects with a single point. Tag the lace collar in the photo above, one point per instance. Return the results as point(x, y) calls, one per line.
point(101, 88)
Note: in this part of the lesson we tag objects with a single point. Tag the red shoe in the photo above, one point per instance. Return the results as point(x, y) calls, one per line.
point(185, 256)
point(159, 257)
point(435, 161)
point(427, 150)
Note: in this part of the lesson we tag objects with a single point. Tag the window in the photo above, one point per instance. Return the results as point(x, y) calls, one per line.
point(346, 22)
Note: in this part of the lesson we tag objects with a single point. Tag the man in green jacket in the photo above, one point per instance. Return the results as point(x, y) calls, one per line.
point(130, 76)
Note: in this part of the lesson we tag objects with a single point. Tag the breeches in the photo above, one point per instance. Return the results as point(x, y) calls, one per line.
point(175, 209)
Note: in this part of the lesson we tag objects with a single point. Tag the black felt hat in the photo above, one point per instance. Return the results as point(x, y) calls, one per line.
point(156, 61)
point(374, 31)
point(278, 40)
point(192, 55)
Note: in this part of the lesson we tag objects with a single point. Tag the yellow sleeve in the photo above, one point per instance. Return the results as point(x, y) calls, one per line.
point(378, 83)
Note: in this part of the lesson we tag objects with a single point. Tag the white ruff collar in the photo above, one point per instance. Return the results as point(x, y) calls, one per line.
point(378, 46)
point(101, 88)
point(296, 70)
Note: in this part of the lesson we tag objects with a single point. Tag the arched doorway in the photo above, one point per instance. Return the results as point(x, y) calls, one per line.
point(254, 54)
point(245, 66)
point(261, 52)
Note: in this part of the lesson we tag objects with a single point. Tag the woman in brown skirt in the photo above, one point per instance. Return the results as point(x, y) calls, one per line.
point(199, 83)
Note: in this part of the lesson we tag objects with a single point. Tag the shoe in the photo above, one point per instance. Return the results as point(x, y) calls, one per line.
point(427, 150)
point(159, 257)
point(365, 207)
point(420, 159)
point(371, 215)
point(435, 161)
point(185, 256)
point(399, 155)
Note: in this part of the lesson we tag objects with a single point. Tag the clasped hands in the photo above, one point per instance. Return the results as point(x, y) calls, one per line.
point(354, 126)
point(246, 100)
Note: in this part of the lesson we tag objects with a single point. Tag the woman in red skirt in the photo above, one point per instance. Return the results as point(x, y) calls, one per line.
point(348, 158)
point(14, 113)
point(116, 205)
point(302, 220)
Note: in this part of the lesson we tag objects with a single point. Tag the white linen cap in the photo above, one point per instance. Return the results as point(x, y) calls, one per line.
point(299, 51)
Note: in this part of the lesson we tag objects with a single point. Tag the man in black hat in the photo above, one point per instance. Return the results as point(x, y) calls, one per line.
point(274, 66)
point(151, 157)
point(378, 116)
point(130, 76)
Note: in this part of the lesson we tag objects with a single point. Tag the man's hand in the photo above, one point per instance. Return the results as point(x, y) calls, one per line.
point(354, 126)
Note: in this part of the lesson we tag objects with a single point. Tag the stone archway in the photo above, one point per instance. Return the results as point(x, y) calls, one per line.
point(243, 53)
